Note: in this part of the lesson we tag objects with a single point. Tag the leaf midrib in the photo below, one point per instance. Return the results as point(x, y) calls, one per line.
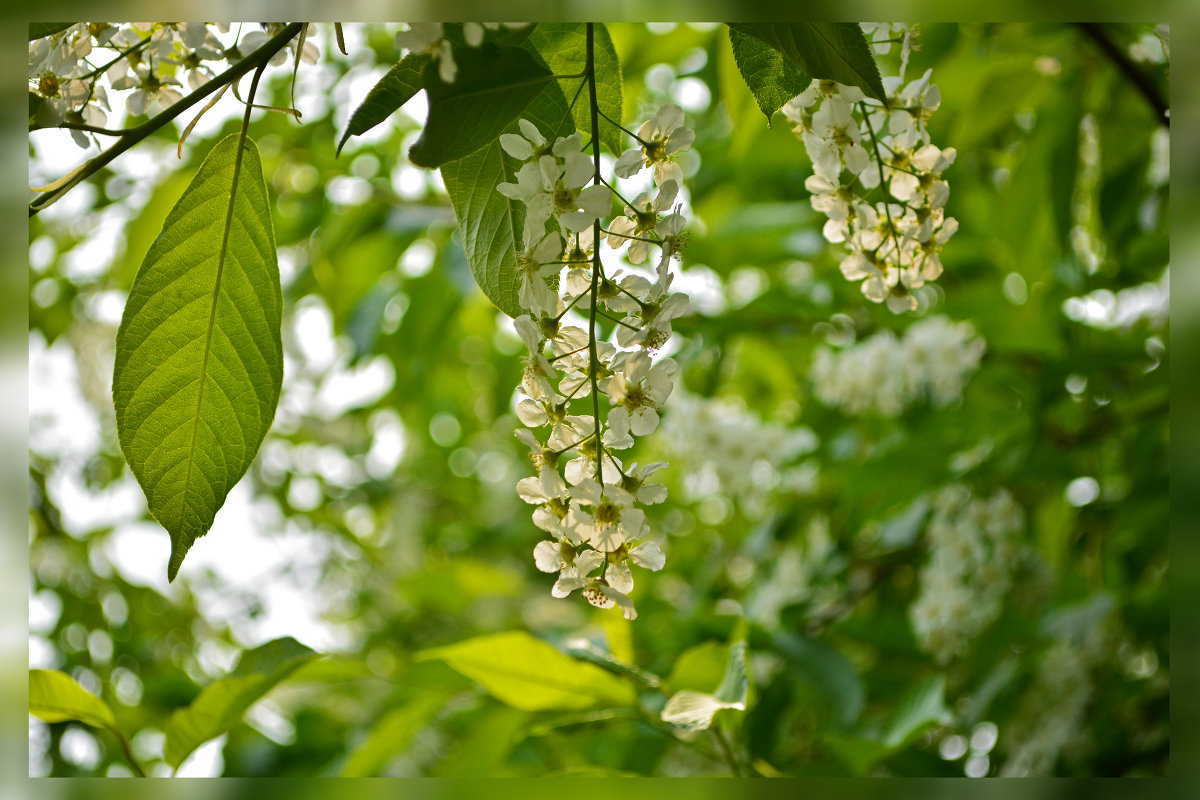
point(212, 318)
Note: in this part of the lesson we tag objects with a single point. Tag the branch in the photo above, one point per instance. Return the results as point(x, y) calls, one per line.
point(134, 135)
point(1136, 75)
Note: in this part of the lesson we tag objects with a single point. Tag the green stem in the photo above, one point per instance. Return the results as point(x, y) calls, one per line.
point(726, 750)
point(594, 355)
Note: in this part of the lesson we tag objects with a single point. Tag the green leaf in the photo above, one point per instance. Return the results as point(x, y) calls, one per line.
point(828, 670)
point(735, 686)
point(835, 51)
point(493, 87)
point(220, 706)
point(531, 675)
point(56, 697)
point(199, 360)
point(694, 711)
point(923, 707)
point(394, 89)
point(857, 753)
point(39, 29)
point(489, 222)
point(393, 733)
point(772, 80)
point(563, 45)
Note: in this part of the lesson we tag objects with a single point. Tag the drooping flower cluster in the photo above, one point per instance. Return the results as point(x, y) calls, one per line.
point(584, 495)
point(74, 70)
point(878, 179)
point(731, 451)
point(430, 37)
point(973, 549)
point(884, 374)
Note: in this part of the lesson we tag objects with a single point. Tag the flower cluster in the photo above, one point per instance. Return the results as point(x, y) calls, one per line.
point(73, 70)
point(430, 37)
point(731, 451)
point(972, 549)
point(857, 147)
point(585, 497)
point(884, 374)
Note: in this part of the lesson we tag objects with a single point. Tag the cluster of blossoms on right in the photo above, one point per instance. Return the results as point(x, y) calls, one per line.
point(877, 176)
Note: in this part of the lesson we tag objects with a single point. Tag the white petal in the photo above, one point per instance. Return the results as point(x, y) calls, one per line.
point(547, 556)
point(648, 555)
point(516, 146)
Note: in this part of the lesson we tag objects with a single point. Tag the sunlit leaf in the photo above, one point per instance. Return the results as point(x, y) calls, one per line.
point(221, 705)
point(771, 79)
point(56, 697)
point(563, 45)
point(835, 51)
point(489, 222)
point(531, 675)
point(199, 360)
point(394, 89)
point(494, 85)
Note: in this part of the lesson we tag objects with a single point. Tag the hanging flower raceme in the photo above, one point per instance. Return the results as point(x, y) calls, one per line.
point(878, 179)
point(584, 497)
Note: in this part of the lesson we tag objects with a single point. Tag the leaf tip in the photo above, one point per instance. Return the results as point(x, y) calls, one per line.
point(178, 550)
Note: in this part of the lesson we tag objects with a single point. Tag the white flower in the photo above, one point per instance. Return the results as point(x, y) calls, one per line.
point(661, 139)
point(640, 222)
point(647, 555)
point(639, 388)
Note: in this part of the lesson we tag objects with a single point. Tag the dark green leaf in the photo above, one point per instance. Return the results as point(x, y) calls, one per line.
point(828, 670)
point(220, 706)
point(923, 707)
point(491, 223)
point(835, 51)
point(563, 45)
point(394, 89)
point(39, 29)
point(199, 360)
point(493, 87)
point(772, 80)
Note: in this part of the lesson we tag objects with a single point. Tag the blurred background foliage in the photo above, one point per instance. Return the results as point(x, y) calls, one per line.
point(381, 518)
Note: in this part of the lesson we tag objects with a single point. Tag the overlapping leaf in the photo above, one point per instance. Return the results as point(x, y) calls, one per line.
point(563, 45)
point(394, 89)
point(199, 362)
point(221, 705)
point(772, 80)
point(494, 85)
point(489, 222)
point(831, 50)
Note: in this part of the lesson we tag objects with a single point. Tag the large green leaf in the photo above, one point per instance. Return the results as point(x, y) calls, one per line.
point(489, 222)
point(220, 706)
point(394, 89)
point(199, 360)
point(563, 45)
point(771, 79)
point(493, 87)
point(56, 697)
point(531, 675)
point(830, 50)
